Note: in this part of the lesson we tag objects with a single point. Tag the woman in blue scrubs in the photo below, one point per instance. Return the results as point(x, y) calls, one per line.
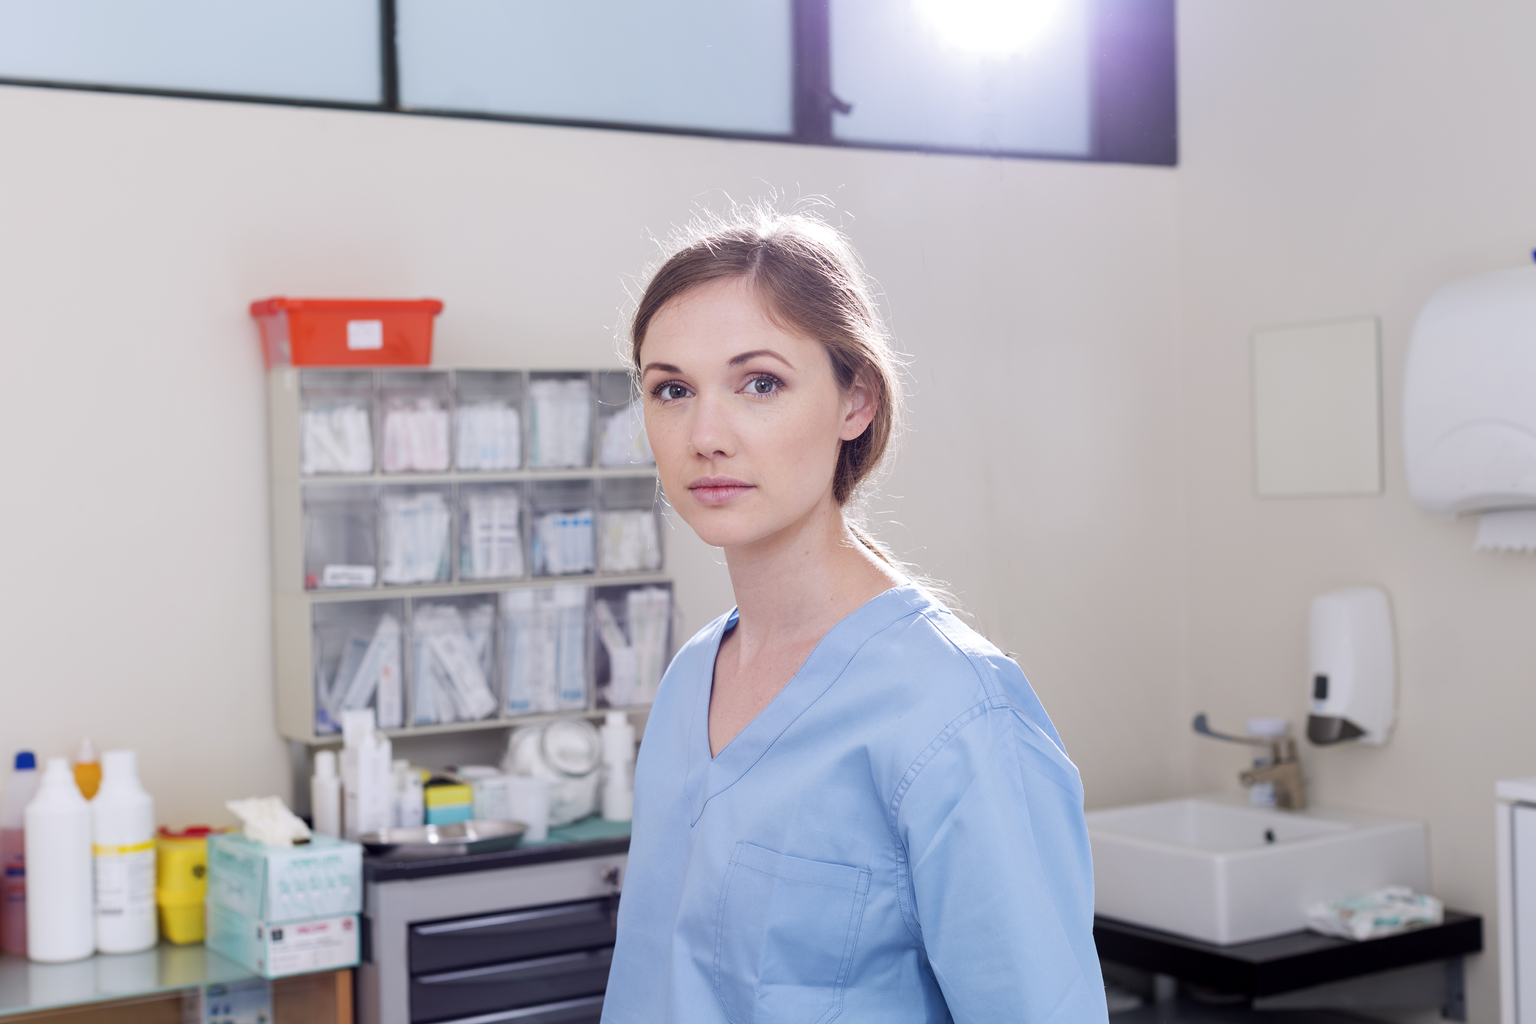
point(848, 804)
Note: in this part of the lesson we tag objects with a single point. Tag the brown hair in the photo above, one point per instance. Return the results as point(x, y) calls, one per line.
point(811, 281)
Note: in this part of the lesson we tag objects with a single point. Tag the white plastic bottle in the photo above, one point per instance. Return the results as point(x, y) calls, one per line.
point(60, 919)
point(410, 796)
point(325, 795)
point(618, 767)
point(367, 786)
point(123, 831)
point(19, 790)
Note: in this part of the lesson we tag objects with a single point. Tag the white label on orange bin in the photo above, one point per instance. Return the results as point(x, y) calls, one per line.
point(365, 334)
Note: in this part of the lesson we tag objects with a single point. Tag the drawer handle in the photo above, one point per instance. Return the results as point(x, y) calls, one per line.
point(593, 911)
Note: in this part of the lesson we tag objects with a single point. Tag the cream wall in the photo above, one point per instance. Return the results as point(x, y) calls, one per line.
point(1341, 160)
point(1038, 300)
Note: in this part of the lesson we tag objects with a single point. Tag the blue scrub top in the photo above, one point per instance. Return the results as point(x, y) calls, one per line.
point(897, 837)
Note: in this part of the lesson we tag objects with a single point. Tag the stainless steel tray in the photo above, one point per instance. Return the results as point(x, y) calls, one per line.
point(444, 840)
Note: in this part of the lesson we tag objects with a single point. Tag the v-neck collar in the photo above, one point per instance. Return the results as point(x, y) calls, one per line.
point(709, 776)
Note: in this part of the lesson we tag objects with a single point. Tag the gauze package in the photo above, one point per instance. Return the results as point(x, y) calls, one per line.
point(1374, 914)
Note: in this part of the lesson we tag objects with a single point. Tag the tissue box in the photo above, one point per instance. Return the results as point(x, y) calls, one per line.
point(278, 884)
point(278, 950)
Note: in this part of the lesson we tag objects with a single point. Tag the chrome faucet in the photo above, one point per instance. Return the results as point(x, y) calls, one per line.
point(1283, 770)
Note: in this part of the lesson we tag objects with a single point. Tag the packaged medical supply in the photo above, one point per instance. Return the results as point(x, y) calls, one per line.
point(247, 1001)
point(545, 649)
point(528, 799)
point(123, 837)
point(61, 920)
point(20, 787)
point(637, 660)
point(490, 536)
point(266, 819)
point(1371, 915)
point(335, 439)
point(560, 422)
point(624, 442)
point(448, 802)
point(87, 769)
point(410, 803)
point(415, 437)
point(629, 541)
point(325, 795)
point(451, 658)
point(279, 884)
point(562, 543)
point(414, 532)
point(280, 950)
point(181, 882)
point(618, 767)
point(568, 752)
point(367, 675)
point(489, 437)
point(367, 785)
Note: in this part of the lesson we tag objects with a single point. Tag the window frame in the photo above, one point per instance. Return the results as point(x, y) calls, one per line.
point(1133, 82)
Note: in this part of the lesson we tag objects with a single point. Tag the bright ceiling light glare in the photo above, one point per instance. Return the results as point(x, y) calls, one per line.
point(997, 28)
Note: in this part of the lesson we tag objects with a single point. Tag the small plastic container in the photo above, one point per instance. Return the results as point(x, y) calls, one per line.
point(346, 332)
point(562, 531)
point(621, 439)
point(544, 644)
point(629, 526)
point(181, 882)
point(415, 535)
point(634, 642)
point(341, 549)
point(453, 644)
point(336, 422)
point(491, 532)
point(488, 420)
point(559, 420)
point(415, 422)
point(358, 648)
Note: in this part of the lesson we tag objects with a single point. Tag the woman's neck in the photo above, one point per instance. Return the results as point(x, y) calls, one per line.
point(799, 583)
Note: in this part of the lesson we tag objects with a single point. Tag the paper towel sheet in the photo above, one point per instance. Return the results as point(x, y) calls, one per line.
point(1512, 530)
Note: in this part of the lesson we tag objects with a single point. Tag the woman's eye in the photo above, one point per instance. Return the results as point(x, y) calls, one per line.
point(763, 385)
point(670, 392)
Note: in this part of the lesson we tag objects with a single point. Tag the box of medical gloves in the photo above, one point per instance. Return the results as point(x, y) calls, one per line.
point(278, 950)
point(280, 910)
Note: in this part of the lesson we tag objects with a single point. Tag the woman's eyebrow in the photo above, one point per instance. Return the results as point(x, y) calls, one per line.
point(761, 352)
point(663, 367)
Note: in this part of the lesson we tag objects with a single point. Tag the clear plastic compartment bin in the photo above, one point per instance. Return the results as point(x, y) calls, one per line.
point(340, 536)
point(488, 420)
point(544, 649)
point(628, 529)
point(335, 422)
point(453, 643)
point(414, 421)
point(490, 532)
point(621, 439)
point(634, 634)
point(357, 661)
point(559, 420)
point(415, 535)
point(563, 537)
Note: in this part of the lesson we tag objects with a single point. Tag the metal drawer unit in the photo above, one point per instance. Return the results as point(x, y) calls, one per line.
point(524, 937)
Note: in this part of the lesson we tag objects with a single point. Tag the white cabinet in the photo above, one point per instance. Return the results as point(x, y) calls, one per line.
point(1517, 900)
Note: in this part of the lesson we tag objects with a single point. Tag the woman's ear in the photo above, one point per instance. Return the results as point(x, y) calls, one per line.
point(858, 408)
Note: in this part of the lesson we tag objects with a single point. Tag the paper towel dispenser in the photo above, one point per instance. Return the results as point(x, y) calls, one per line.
point(1469, 420)
point(1353, 684)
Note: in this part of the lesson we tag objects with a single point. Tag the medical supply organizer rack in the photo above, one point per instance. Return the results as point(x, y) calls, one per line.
point(293, 603)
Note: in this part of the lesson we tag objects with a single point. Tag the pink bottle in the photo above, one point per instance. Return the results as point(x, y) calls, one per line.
point(18, 792)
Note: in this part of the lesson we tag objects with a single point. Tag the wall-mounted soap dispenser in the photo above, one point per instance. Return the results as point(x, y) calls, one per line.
point(1354, 669)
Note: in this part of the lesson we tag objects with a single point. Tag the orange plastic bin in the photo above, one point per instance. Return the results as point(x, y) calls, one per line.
point(346, 332)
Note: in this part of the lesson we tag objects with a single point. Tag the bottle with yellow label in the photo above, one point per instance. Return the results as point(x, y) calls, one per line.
point(123, 831)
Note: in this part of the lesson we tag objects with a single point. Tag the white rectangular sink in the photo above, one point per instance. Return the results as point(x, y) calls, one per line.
point(1213, 869)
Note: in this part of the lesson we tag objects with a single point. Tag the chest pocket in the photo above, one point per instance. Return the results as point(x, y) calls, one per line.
point(785, 935)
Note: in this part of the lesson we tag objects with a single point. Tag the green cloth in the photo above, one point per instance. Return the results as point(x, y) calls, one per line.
point(585, 830)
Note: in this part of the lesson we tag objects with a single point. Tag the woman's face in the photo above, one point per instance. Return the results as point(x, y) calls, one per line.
point(745, 417)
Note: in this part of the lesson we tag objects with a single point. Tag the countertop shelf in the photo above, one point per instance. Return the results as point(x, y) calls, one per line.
point(26, 987)
point(1287, 962)
point(589, 837)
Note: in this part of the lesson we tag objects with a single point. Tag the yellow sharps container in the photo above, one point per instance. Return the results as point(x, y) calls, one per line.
point(181, 868)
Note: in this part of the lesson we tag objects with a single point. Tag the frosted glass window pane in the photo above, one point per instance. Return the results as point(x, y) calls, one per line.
point(702, 64)
point(301, 49)
point(918, 73)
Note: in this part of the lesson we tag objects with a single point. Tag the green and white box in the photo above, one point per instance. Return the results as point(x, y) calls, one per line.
point(277, 884)
point(278, 950)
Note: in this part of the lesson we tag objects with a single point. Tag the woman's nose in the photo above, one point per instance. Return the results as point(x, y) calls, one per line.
point(711, 435)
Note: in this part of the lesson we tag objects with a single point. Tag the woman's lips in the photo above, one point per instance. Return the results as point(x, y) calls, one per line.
point(717, 490)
